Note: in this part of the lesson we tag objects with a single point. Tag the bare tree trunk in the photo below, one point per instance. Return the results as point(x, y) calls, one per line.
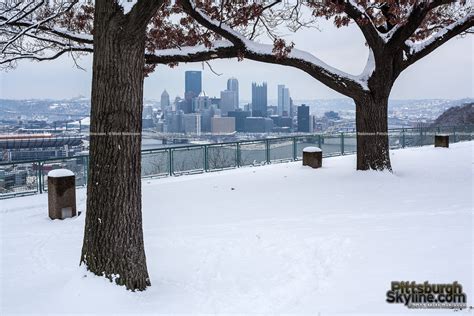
point(113, 237)
point(372, 133)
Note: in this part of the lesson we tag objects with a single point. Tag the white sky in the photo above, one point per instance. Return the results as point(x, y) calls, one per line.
point(446, 73)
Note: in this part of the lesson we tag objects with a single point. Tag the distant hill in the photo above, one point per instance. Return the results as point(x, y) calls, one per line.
point(457, 115)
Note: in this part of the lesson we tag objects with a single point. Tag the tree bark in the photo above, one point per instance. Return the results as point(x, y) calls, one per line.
point(113, 237)
point(372, 133)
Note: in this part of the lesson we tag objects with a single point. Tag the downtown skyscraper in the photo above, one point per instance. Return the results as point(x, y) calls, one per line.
point(259, 99)
point(165, 100)
point(233, 85)
point(284, 100)
point(192, 84)
point(192, 89)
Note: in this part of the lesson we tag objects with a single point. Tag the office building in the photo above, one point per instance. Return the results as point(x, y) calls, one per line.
point(227, 101)
point(258, 125)
point(292, 108)
point(201, 102)
point(192, 84)
point(304, 119)
point(165, 100)
point(281, 121)
point(206, 116)
point(221, 125)
point(192, 123)
point(184, 105)
point(233, 85)
point(147, 112)
point(239, 116)
point(284, 101)
point(259, 100)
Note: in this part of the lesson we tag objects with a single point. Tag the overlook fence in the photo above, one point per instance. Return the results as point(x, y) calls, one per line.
point(30, 177)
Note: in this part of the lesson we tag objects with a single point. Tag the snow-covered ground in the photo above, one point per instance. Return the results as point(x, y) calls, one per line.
point(276, 239)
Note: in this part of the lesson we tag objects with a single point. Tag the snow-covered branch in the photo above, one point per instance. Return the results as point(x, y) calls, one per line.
point(414, 18)
point(417, 50)
point(218, 49)
point(246, 48)
point(358, 13)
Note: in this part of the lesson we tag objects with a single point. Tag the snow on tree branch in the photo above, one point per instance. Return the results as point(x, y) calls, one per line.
point(43, 30)
point(277, 53)
point(417, 50)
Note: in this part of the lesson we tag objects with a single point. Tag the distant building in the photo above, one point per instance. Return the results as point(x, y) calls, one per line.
point(227, 101)
point(201, 102)
point(192, 123)
point(292, 108)
point(174, 122)
point(239, 116)
point(148, 123)
point(192, 84)
point(272, 110)
point(38, 146)
point(284, 101)
point(303, 119)
point(281, 121)
point(258, 125)
point(233, 85)
point(259, 99)
point(147, 112)
point(216, 102)
point(192, 89)
point(331, 115)
point(184, 105)
point(165, 100)
point(206, 116)
point(220, 125)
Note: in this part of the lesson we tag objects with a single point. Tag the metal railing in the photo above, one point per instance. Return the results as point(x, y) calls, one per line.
point(30, 177)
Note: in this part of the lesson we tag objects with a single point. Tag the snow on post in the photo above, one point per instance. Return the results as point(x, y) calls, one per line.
point(313, 157)
point(57, 173)
point(61, 194)
point(311, 149)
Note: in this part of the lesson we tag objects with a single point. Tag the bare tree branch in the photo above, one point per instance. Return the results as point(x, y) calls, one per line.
point(36, 30)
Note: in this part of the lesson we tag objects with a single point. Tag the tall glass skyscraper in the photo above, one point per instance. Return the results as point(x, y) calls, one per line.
point(259, 99)
point(192, 84)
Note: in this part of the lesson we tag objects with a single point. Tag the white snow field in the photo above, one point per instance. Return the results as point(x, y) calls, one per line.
point(276, 239)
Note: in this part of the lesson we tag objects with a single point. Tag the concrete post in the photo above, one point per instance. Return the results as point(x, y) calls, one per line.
point(61, 194)
point(442, 141)
point(313, 157)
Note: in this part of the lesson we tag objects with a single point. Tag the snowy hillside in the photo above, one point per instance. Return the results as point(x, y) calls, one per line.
point(276, 239)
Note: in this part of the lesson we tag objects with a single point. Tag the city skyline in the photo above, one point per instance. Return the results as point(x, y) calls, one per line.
point(430, 78)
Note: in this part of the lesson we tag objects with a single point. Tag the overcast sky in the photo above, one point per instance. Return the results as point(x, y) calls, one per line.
point(446, 73)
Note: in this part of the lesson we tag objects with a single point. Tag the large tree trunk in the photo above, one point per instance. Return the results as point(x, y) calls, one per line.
point(113, 237)
point(372, 133)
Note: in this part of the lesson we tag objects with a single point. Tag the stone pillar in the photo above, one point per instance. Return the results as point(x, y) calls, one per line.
point(313, 157)
point(61, 194)
point(442, 140)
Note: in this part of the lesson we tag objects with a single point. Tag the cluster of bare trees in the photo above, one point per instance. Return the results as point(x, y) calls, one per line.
point(128, 38)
